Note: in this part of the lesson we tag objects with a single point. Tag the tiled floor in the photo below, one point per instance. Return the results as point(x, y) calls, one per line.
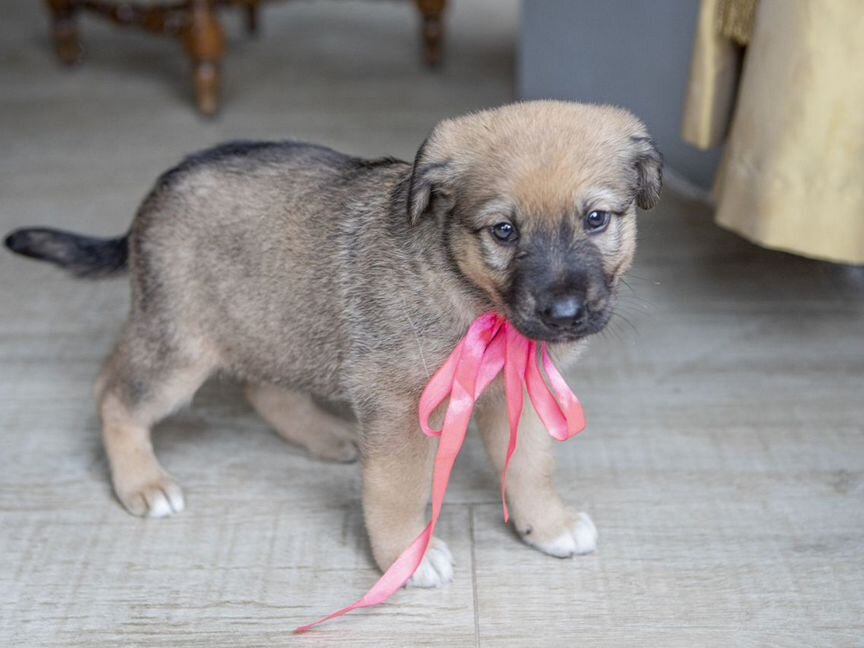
point(724, 457)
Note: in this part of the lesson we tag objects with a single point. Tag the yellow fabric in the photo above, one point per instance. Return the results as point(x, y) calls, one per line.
point(714, 72)
point(792, 177)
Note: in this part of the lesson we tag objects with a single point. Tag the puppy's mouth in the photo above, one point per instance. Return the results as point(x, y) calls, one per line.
point(539, 331)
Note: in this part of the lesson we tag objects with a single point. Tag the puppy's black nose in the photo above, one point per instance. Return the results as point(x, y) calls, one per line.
point(565, 310)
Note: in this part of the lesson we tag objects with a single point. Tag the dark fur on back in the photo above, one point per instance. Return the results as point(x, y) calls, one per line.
point(238, 154)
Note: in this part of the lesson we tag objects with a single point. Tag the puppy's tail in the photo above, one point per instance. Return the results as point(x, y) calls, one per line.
point(81, 256)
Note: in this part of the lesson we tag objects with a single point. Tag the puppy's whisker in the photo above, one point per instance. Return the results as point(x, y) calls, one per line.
point(636, 277)
point(634, 306)
point(618, 317)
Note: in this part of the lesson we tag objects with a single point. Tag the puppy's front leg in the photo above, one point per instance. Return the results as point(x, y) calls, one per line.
point(397, 479)
point(539, 516)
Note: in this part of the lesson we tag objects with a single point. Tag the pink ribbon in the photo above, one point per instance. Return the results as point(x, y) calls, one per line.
point(491, 345)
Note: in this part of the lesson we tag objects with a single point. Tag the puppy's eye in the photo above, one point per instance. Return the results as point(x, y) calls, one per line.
point(505, 232)
point(597, 221)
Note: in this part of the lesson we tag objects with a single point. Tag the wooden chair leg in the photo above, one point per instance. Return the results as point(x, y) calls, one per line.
point(65, 30)
point(204, 42)
point(252, 17)
point(432, 29)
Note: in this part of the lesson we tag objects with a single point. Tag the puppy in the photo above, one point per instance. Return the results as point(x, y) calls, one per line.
point(310, 274)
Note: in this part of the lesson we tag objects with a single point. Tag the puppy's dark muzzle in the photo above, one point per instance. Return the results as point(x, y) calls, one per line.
point(560, 292)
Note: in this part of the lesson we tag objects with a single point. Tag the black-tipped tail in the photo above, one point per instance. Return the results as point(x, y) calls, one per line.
point(82, 256)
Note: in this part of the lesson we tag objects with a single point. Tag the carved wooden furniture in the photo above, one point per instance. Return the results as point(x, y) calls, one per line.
point(195, 23)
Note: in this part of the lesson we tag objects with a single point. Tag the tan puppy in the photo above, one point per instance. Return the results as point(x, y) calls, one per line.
point(315, 275)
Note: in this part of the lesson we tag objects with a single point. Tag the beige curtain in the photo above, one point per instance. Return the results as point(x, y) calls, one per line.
point(792, 177)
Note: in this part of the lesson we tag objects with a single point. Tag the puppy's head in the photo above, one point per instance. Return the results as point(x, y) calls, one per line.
point(537, 204)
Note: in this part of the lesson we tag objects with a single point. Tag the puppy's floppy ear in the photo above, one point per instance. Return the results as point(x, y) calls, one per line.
point(649, 172)
point(431, 186)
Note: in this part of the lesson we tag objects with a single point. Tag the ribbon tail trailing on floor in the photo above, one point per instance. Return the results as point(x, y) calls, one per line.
point(491, 345)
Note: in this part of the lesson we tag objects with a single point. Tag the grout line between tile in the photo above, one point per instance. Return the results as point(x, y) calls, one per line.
point(474, 578)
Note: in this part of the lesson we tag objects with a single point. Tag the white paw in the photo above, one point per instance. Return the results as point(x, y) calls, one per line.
point(580, 537)
point(436, 569)
point(158, 498)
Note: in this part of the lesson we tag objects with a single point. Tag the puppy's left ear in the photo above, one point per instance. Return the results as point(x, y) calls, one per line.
point(649, 172)
point(431, 188)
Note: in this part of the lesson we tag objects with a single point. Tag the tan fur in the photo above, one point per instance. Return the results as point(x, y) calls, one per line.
point(394, 501)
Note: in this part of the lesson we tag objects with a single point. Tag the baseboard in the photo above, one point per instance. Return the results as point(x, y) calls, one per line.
point(679, 183)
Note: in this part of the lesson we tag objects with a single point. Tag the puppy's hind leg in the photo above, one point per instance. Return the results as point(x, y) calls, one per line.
point(141, 384)
point(297, 419)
